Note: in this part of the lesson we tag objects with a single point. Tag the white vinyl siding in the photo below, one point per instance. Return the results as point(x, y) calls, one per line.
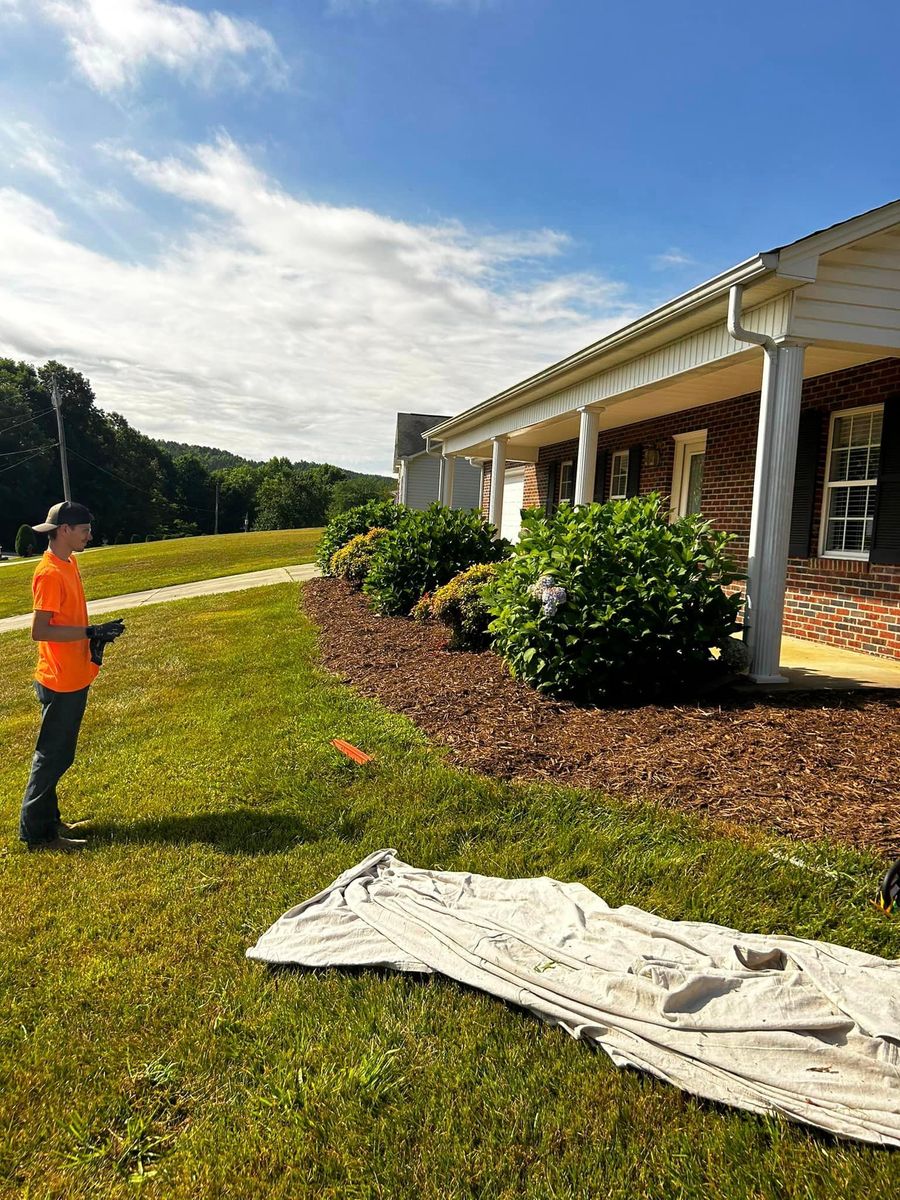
point(851, 475)
point(423, 483)
point(424, 477)
point(856, 296)
point(618, 484)
point(466, 485)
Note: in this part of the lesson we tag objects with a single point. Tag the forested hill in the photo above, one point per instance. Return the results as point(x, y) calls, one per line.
point(138, 488)
point(221, 460)
point(212, 458)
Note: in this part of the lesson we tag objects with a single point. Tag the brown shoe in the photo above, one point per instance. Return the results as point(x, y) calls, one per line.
point(62, 845)
point(65, 830)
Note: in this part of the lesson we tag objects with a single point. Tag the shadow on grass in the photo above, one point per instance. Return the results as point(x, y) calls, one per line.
point(240, 831)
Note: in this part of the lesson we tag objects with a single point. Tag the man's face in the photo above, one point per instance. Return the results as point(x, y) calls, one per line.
point(77, 536)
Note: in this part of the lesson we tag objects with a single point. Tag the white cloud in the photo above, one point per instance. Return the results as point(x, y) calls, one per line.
point(672, 258)
point(113, 41)
point(277, 325)
point(29, 149)
point(33, 151)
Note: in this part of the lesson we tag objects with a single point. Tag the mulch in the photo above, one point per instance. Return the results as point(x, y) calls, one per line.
point(805, 765)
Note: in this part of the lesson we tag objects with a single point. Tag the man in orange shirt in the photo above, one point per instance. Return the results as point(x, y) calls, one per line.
point(69, 657)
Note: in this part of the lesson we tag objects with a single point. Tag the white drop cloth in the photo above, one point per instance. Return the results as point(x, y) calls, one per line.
point(770, 1024)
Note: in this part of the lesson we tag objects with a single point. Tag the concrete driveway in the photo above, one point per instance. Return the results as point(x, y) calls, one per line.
point(184, 591)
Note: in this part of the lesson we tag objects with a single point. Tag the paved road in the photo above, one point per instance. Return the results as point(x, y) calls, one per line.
point(183, 591)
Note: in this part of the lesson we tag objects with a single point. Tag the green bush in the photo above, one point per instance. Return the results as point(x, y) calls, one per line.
point(26, 542)
point(425, 551)
point(645, 601)
point(353, 561)
point(460, 604)
point(381, 514)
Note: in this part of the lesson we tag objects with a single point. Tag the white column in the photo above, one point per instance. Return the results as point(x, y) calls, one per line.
point(586, 466)
point(403, 487)
point(773, 491)
point(498, 473)
point(448, 464)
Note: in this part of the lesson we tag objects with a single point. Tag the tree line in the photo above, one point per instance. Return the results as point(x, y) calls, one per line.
point(133, 486)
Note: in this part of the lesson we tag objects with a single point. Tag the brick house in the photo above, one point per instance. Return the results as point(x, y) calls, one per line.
point(768, 399)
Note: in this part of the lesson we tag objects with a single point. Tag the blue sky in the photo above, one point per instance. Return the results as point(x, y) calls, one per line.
point(271, 226)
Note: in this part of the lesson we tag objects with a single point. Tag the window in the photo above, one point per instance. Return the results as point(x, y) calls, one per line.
point(851, 473)
point(618, 484)
point(567, 481)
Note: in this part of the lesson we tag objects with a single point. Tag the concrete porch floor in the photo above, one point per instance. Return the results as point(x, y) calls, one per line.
point(812, 665)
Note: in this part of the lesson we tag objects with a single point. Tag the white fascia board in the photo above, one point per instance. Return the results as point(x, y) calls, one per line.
point(798, 254)
point(751, 270)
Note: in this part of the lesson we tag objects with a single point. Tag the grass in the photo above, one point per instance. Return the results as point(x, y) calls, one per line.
point(140, 1050)
point(115, 570)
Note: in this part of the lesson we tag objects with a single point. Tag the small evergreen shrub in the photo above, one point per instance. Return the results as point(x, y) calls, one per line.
point(425, 551)
point(644, 601)
point(460, 604)
point(421, 610)
point(353, 561)
point(26, 542)
point(381, 514)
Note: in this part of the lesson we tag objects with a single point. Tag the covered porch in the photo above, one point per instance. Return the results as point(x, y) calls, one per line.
point(813, 666)
point(823, 305)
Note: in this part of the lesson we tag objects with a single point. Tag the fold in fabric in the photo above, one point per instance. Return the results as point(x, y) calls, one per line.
point(770, 1024)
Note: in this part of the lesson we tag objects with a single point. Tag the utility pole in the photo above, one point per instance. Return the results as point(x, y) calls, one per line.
point(216, 530)
point(63, 462)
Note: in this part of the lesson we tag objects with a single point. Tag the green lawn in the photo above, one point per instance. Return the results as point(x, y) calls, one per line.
point(115, 570)
point(135, 1037)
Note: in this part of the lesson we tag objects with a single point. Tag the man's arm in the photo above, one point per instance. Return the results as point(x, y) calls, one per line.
point(43, 631)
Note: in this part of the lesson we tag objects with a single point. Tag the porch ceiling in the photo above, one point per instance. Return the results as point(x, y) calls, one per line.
point(742, 375)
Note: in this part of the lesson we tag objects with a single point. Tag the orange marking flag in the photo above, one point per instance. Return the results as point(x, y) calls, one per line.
point(353, 752)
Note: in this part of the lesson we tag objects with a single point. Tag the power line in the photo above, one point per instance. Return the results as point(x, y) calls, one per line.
point(25, 449)
point(128, 483)
point(22, 461)
point(27, 420)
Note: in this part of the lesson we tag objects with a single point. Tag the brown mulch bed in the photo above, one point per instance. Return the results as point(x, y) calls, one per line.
point(804, 764)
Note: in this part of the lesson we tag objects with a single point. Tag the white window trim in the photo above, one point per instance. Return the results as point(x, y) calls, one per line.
point(682, 441)
point(612, 474)
point(569, 462)
point(854, 555)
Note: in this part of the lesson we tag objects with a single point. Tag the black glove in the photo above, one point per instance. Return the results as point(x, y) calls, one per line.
point(100, 636)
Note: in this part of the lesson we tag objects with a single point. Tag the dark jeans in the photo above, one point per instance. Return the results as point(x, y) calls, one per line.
point(54, 754)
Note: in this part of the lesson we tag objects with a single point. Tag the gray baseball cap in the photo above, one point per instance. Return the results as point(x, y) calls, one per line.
point(64, 513)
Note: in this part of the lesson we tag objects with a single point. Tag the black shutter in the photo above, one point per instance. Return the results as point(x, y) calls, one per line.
point(633, 487)
point(552, 485)
point(600, 476)
point(886, 526)
point(808, 440)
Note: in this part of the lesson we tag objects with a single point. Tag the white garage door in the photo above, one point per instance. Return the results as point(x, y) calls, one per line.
point(513, 497)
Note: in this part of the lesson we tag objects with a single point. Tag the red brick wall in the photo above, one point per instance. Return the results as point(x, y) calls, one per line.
point(841, 602)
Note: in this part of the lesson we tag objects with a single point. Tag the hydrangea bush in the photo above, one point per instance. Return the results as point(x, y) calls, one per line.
point(614, 601)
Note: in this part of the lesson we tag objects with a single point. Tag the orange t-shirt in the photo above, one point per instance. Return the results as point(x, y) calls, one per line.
point(57, 588)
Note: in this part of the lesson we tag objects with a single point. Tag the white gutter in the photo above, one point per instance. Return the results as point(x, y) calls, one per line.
point(746, 272)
